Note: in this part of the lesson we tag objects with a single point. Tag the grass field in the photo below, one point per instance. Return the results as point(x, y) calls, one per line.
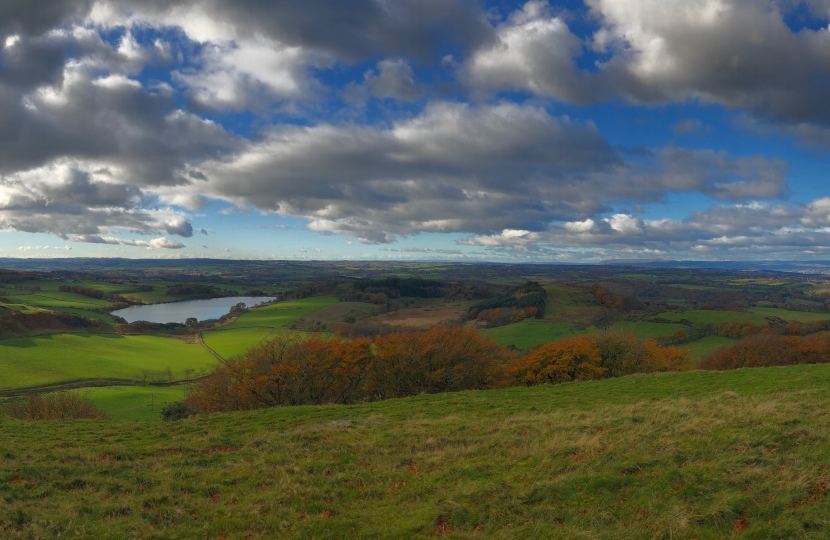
point(55, 358)
point(647, 330)
point(787, 315)
point(282, 313)
point(235, 341)
point(701, 348)
point(58, 300)
point(530, 333)
point(134, 402)
point(249, 329)
point(705, 455)
point(706, 317)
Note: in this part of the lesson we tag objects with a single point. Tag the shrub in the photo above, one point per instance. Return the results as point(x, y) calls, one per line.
point(57, 406)
point(178, 410)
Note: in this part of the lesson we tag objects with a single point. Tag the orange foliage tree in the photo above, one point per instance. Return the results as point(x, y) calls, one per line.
point(567, 360)
point(294, 371)
point(287, 371)
point(437, 360)
point(624, 354)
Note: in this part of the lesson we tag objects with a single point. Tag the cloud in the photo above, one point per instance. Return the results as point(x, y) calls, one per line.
point(461, 168)
point(748, 230)
point(741, 54)
point(164, 243)
point(534, 51)
point(350, 31)
point(691, 126)
point(160, 243)
point(394, 80)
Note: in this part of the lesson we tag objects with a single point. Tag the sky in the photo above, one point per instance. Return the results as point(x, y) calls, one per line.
point(572, 131)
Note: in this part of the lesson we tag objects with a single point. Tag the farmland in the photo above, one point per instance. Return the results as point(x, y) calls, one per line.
point(697, 454)
point(64, 357)
point(318, 302)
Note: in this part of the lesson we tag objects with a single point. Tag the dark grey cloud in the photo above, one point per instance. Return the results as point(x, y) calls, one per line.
point(27, 17)
point(351, 30)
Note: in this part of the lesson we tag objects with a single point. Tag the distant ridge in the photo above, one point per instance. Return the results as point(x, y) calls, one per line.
point(783, 266)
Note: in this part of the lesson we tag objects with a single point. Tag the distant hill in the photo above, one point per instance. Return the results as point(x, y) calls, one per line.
point(781, 266)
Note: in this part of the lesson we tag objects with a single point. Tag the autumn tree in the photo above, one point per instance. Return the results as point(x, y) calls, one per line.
point(567, 360)
point(436, 360)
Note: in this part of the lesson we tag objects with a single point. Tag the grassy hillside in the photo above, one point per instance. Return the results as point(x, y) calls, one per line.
point(61, 357)
point(235, 341)
point(254, 326)
point(683, 455)
point(281, 313)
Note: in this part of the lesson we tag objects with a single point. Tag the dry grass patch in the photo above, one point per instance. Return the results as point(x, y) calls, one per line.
point(425, 315)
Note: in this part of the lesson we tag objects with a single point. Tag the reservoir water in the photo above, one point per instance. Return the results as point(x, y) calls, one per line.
point(179, 312)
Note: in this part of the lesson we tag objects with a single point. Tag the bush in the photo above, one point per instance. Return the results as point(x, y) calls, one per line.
point(178, 410)
point(57, 406)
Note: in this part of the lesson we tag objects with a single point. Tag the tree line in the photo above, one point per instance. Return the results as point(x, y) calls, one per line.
point(290, 370)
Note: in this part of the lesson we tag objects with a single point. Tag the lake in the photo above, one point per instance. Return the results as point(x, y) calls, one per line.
point(179, 312)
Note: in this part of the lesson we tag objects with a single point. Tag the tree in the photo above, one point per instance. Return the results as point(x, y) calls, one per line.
point(567, 360)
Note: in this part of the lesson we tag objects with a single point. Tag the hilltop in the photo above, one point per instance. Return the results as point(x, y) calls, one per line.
point(677, 455)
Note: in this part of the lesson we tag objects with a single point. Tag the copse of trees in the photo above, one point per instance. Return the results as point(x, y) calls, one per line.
point(290, 370)
point(523, 302)
point(767, 350)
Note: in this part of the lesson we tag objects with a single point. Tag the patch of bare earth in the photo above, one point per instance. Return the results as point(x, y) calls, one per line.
point(425, 316)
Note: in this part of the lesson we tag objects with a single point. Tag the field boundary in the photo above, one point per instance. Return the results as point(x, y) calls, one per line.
point(88, 383)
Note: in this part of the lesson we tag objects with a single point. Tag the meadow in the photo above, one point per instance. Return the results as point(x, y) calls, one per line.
point(252, 327)
point(680, 455)
point(235, 341)
point(134, 402)
point(281, 313)
point(54, 358)
point(531, 333)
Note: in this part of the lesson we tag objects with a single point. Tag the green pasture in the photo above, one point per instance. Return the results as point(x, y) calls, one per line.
point(134, 402)
point(703, 347)
point(58, 300)
point(282, 313)
point(87, 313)
point(696, 287)
point(531, 333)
point(714, 317)
point(337, 312)
point(55, 358)
point(704, 455)
point(235, 341)
point(787, 315)
point(646, 330)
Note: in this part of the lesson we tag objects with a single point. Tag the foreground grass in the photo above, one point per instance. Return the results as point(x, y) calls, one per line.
point(56, 358)
point(684, 455)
